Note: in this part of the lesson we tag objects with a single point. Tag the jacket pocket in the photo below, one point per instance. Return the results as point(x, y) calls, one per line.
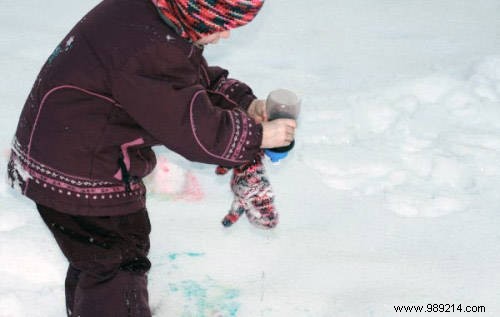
point(132, 164)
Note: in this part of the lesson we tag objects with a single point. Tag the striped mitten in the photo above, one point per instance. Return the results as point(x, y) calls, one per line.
point(253, 196)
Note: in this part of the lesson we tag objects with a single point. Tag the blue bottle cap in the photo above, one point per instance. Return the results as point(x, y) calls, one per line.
point(275, 156)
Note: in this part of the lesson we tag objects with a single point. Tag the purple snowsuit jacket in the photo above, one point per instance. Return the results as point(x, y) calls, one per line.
point(119, 83)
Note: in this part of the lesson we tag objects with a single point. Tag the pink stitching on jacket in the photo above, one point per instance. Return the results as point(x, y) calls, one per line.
point(224, 96)
point(44, 177)
point(232, 145)
point(32, 162)
point(97, 190)
point(191, 51)
point(232, 134)
point(207, 77)
point(228, 83)
point(193, 129)
point(244, 133)
point(42, 103)
point(126, 156)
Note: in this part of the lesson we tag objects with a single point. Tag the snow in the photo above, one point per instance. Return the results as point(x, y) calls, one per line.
point(422, 144)
point(390, 196)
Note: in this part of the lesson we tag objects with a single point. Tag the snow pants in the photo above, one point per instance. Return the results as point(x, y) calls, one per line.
point(108, 264)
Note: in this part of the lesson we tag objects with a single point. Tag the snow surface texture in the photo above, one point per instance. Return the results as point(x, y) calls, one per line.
point(431, 146)
point(390, 196)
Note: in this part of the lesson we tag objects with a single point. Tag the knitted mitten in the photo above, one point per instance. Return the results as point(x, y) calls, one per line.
point(253, 196)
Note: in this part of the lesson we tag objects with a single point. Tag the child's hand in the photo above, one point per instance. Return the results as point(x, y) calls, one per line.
point(257, 110)
point(278, 133)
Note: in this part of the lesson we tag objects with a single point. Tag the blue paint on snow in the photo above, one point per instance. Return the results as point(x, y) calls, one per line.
point(202, 298)
point(207, 298)
point(174, 255)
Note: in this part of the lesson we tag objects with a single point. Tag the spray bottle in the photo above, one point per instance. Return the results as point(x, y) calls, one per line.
point(281, 104)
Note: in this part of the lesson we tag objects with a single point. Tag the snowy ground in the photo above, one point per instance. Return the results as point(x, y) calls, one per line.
point(390, 197)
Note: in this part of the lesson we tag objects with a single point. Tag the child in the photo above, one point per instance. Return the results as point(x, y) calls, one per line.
point(128, 76)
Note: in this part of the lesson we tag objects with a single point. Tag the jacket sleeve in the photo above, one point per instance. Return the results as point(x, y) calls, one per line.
point(216, 79)
point(160, 91)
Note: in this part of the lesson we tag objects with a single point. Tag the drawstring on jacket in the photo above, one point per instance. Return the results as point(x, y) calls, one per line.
point(125, 173)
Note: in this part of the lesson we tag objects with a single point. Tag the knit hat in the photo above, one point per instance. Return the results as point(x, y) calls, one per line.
point(195, 19)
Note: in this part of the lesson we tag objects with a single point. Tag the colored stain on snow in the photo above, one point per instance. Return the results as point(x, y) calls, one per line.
point(174, 255)
point(171, 181)
point(204, 298)
point(207, 298)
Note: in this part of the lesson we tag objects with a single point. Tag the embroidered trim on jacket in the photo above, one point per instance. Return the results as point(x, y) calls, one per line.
point(53, 180)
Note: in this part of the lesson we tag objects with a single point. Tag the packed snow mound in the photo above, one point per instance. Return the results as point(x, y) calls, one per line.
point(431, 146)
point(173, 181)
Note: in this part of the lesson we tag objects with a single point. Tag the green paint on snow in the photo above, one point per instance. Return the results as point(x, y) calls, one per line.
point(207, 298)
point(174, 255)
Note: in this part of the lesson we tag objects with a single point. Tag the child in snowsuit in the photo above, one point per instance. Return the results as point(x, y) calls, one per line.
point(130, 75)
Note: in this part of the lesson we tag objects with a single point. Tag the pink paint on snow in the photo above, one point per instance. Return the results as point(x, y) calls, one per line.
point(192, 189)
point(173, 181)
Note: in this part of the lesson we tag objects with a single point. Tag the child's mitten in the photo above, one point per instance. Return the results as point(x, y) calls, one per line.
point(253, 196)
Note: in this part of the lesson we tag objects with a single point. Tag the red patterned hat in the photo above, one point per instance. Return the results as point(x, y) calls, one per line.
point(197, 18)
